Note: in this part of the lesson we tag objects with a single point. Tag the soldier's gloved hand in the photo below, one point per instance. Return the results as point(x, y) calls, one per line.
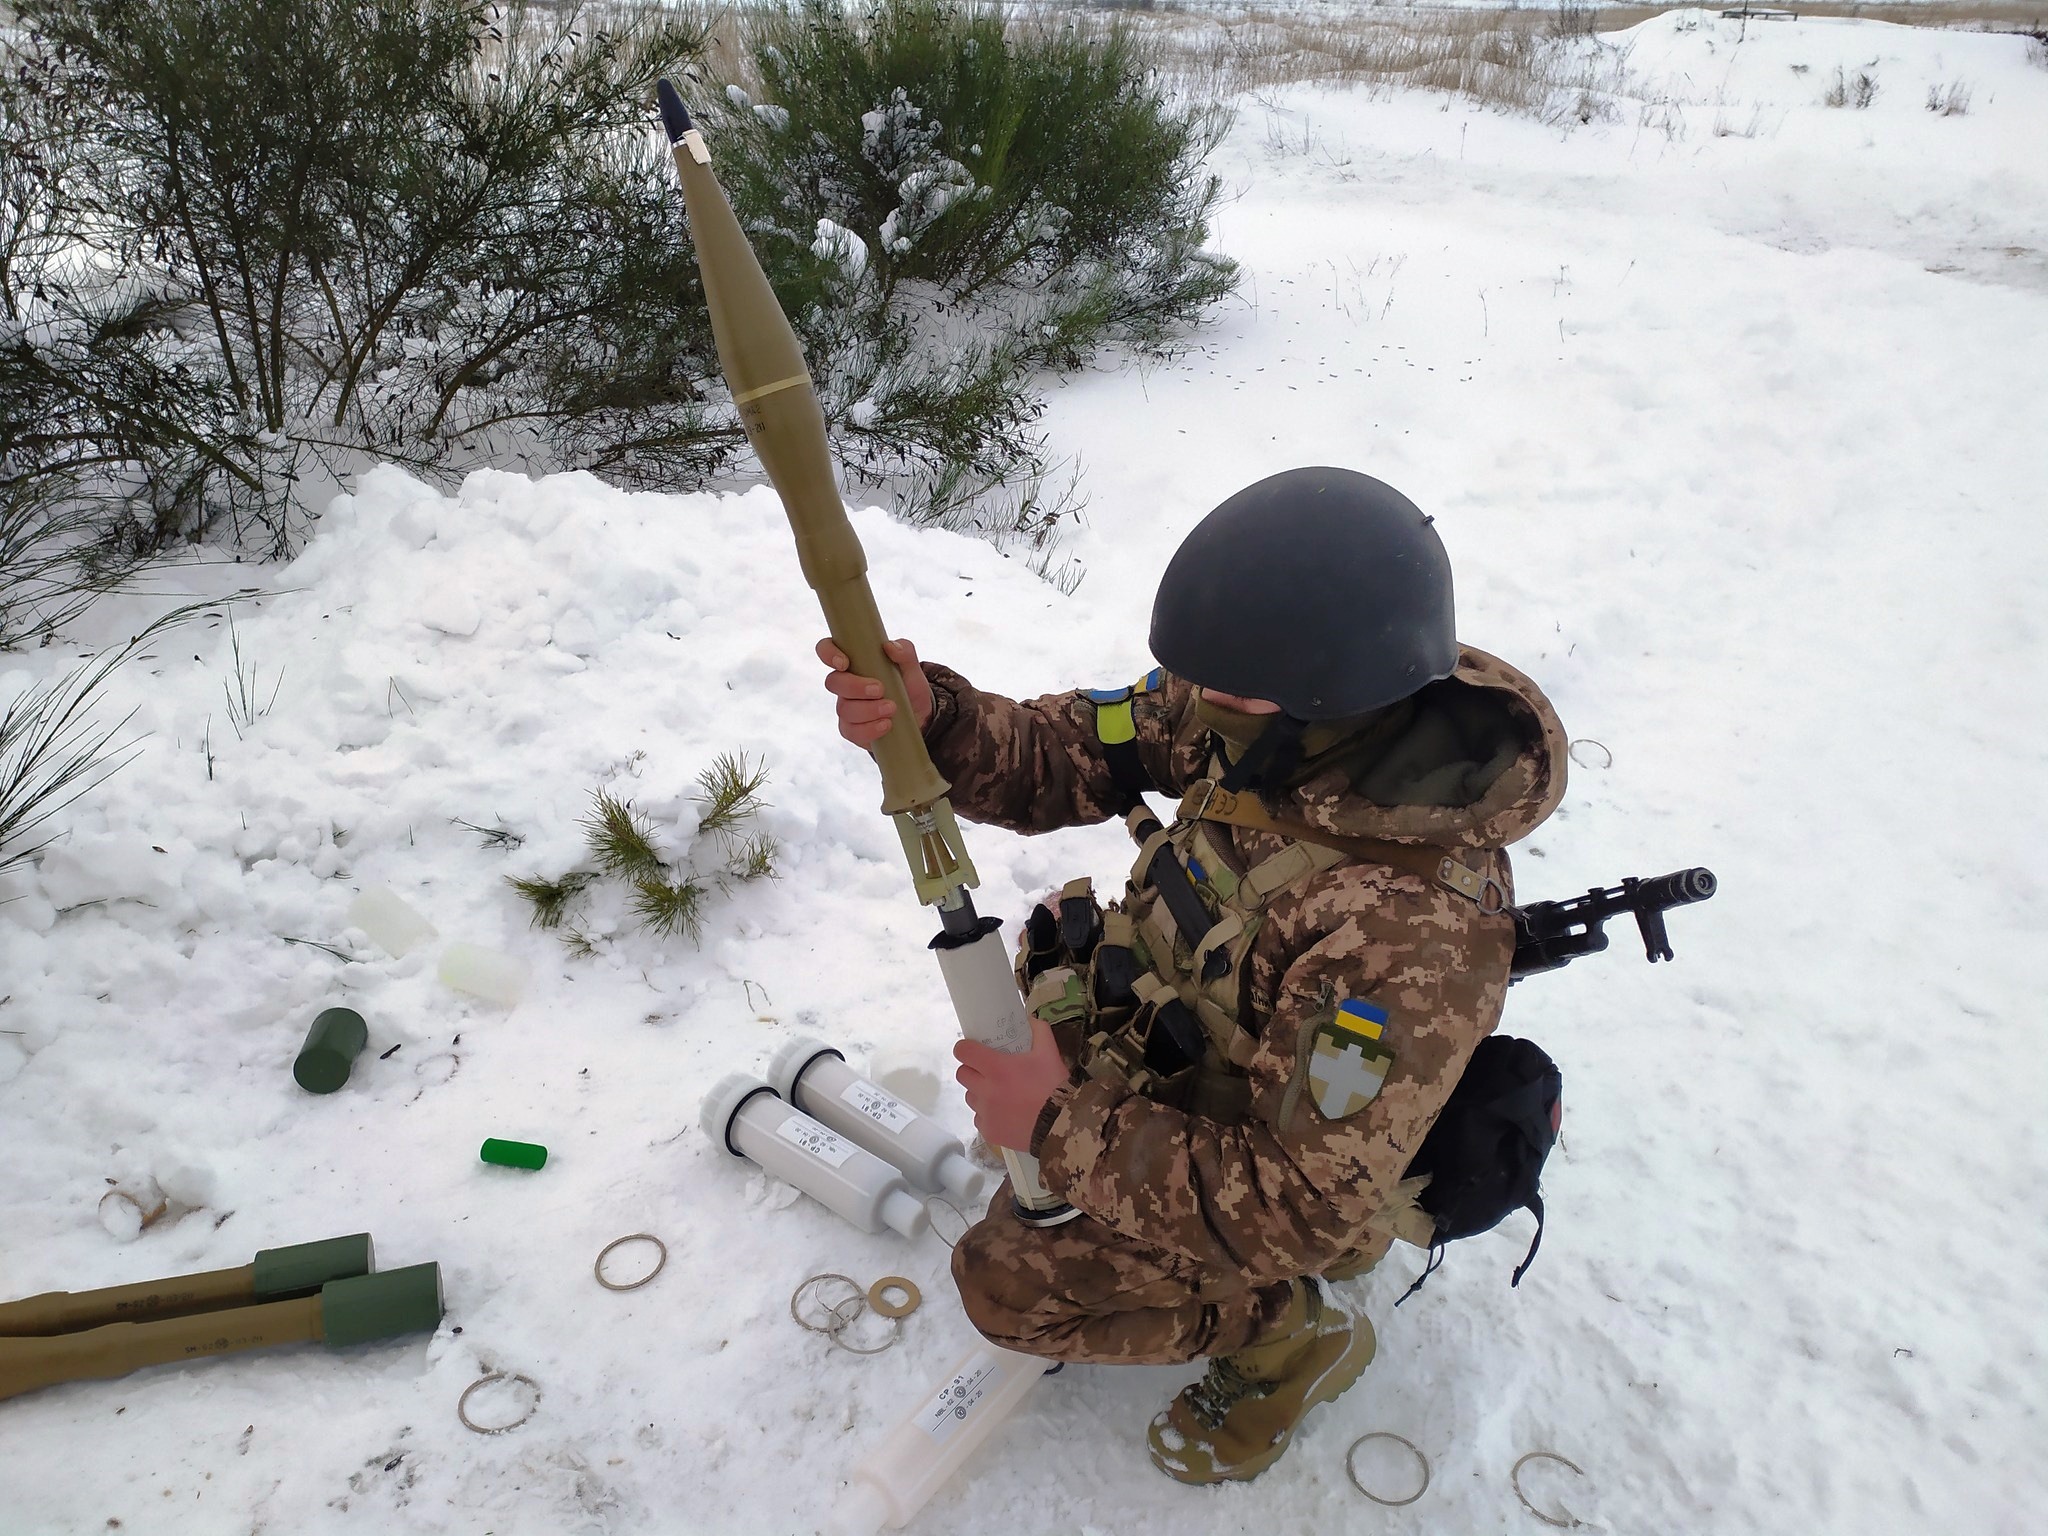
point(864, 715)
point(1007, 1089)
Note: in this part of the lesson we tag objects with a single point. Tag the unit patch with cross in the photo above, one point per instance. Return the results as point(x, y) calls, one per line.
point(1350, 1059)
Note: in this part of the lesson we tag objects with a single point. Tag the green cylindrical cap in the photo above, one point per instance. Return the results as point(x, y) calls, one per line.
point(337, 1037)
point(514, 1154)
point(306, 1267)
point(386, 1306)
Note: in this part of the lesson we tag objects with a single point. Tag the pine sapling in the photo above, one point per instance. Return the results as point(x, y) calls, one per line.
point(668, 895)
point(552, 899)
point(732, 793)
point(754, 859)
point(622, 839)
point(670, 908)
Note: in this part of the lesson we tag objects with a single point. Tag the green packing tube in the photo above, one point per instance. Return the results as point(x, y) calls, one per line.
point(382, 1306)
point(514, 1154)
point(337, 1037)
point(308, 1266)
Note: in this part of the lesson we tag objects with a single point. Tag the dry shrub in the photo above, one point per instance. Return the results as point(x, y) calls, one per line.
point(1951, 100)
point(1528, 61)
point(1545, 62)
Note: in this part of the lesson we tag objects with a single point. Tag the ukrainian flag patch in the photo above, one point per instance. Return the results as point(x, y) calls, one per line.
point(1350, 1059)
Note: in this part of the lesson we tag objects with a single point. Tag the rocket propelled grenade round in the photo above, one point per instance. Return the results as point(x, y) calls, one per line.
point(777, 402)
point(276, 1274)
point(359, 1309)
point(778, 406)
point(771, 386)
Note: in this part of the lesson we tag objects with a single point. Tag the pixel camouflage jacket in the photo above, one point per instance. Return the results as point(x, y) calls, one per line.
point(1478, 763)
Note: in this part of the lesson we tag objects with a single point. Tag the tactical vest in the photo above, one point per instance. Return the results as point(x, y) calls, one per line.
point(1139, 997)
point(1131, 1001)
point(1135, 996)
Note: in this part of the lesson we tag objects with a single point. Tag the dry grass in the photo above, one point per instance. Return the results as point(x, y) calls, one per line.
point(1510, 59)
point(1538, 61)
point(1959, 15)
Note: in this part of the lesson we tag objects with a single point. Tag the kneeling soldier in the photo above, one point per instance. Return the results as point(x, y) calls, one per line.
point(1236, 1062)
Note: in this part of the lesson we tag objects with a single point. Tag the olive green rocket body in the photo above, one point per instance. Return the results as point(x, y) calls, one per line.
point(772, 391)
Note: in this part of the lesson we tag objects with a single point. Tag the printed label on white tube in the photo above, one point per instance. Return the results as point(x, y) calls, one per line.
point(885, 1109)
point(816, 1140)
point(957, 1399)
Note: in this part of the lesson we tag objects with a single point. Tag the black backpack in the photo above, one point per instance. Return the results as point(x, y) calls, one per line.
point(1484, 1155)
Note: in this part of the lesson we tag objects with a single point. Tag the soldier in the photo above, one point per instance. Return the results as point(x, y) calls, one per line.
point(1230, 1092)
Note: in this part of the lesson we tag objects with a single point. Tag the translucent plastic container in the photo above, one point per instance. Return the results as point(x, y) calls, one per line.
point(393, 926)
point(892, 1481)
point(485, 973)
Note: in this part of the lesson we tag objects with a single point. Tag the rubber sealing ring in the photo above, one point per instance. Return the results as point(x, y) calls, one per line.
point(965, 1220)
point(878, 1296)
point(462, 1403)
point(895, 1333)
point(1570, 1520)
point(1587, 762)
point(844, 1321)
point(1351, 1471)
point(605, 1252)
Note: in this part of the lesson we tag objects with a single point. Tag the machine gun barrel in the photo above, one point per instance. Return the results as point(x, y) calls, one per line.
point(1549, 934)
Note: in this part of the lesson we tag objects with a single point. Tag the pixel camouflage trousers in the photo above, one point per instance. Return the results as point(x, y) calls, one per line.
point(1084, 1291)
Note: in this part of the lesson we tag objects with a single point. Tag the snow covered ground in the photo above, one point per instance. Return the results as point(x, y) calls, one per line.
point(1730, 413)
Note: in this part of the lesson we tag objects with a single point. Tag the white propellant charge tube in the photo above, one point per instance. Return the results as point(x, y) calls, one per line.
point(744, 1115)
point(984, 994)
point(891, 1483)
point(816, 1079)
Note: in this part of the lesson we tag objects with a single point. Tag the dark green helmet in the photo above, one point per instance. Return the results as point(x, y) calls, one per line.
point(1324, 590)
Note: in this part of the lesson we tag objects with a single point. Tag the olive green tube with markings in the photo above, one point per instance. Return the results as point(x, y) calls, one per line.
point(358, 1310)
point(771, 386)
point(277, 1273)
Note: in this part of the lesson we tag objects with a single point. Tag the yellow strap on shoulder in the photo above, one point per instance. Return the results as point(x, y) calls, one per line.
point(1115, 723)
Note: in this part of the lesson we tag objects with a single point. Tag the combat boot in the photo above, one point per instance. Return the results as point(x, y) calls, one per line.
point(1237, 1420)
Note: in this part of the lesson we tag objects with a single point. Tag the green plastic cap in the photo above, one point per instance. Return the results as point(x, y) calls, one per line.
point(513, 1154)
point(305, 1267)
point(386, 1306)
point(337, 1037)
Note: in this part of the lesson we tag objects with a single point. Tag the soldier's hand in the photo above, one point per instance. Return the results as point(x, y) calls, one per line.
point(1007, 1089)
point(864, 714)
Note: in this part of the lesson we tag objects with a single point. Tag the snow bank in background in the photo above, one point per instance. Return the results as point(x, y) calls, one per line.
point(1736, 444)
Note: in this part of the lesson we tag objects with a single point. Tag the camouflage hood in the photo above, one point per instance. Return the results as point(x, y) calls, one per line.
point(1475, 760)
